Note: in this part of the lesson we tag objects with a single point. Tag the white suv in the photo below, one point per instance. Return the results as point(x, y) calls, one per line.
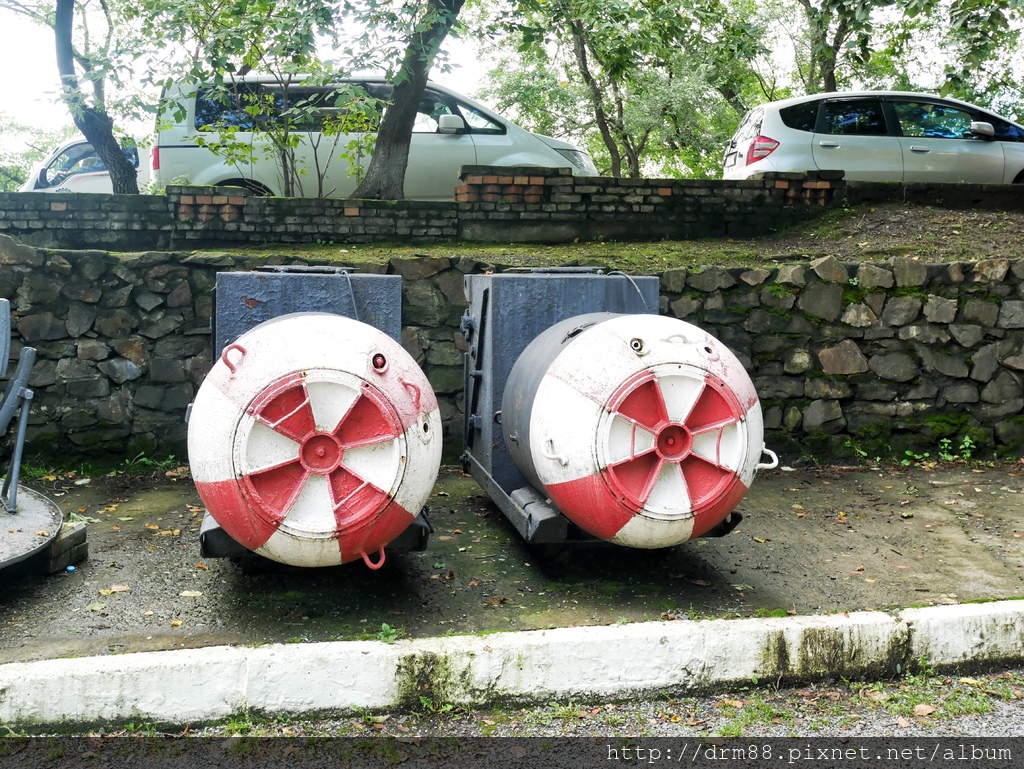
point(450, 131)
point(879, 136)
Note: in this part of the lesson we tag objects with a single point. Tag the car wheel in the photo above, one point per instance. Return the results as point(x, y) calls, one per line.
point(253, 187)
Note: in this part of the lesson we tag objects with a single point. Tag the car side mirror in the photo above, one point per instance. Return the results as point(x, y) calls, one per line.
point(41, 180)
point(451, 124)
point(982, 129)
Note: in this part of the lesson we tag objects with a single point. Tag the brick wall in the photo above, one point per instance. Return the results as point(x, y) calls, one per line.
point(511, 205)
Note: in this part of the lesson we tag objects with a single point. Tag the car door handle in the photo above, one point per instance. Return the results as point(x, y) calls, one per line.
point(828, 144)
point(921, 150)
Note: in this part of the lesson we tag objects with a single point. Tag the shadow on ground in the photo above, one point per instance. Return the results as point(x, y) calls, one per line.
point(812, 541)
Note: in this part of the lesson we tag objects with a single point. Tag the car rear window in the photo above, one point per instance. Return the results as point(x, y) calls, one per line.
point(802, 117)
point(857, 117)
point(749, 127)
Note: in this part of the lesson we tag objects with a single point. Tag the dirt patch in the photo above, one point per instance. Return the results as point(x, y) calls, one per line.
point(812, 541)
point(858, 233)
point(878, 233)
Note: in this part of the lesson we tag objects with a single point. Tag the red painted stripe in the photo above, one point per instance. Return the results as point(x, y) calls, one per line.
point(588, 503)
point(371, 536)
point(228, 506)
point(708, 516)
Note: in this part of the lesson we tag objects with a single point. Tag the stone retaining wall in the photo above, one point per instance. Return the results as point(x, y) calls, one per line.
point(849, 359)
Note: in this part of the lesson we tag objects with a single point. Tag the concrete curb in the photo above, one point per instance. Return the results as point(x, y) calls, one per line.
point(611, 662)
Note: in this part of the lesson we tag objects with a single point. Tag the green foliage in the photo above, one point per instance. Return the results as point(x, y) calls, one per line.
point(388, 634)
point(623, 79)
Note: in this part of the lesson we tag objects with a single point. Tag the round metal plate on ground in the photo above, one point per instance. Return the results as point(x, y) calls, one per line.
point(29, 530)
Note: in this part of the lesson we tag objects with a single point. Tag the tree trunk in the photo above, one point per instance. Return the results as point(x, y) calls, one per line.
point(385, 176)
point(596, 99)
point(94, 123)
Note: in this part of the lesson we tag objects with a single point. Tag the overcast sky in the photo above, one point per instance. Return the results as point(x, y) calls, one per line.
point(28, 90)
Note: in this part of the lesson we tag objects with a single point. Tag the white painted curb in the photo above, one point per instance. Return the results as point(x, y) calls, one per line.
point(616, 662)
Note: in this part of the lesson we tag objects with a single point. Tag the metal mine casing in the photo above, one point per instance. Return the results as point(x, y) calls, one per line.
point(315, 440)
point(643, 430)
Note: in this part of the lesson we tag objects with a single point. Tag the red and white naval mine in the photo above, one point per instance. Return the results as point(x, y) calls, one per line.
point(643, 430)
point(315, 440)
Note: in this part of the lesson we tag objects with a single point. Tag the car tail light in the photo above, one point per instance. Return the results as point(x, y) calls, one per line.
point(154, 155)
point(760, 148)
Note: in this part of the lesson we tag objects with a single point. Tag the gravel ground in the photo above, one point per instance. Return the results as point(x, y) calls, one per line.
point(917, 705)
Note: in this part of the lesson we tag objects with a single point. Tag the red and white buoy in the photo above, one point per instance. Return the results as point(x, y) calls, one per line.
point(643, 430)
point(315, 440)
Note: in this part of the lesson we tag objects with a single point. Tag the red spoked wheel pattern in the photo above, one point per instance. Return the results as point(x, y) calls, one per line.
point(286, 410)
point(674, 443)
point(318, 456)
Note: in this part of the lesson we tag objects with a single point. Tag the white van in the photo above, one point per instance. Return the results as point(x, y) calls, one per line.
point(450, 131)
point(75, 167)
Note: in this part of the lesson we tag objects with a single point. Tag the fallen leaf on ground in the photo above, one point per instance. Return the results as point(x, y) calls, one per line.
point(190, 593)
point(97, 606)
point(924, 710)
point(176, 623)
point(152, 527)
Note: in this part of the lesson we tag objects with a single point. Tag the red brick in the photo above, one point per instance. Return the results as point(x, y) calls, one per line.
point(351, 211)
point(781, 184)
point(536, 180)
point(489, 180)
point(204, 199)
point(473, 179)
point(521, 180)
point(58, 206)
point(236, 200)
point(219, 200)
point(665, 192)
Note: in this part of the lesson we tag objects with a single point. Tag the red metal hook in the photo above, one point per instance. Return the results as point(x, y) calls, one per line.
point(232, 367)
point(370, 564)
